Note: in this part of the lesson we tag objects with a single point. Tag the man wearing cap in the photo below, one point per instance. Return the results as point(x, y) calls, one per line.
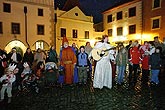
point(68, 60)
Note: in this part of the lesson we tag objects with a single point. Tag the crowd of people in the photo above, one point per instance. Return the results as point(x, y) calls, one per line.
point(75, 65)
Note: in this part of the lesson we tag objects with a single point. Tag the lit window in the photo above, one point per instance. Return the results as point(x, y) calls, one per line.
point(132, 29)
point(40, 45)
point(120, 31)
point(6, 7)
point(109, 32)
point(40, 29)
point(15, 28)
point(86, 34)
point(74, 33)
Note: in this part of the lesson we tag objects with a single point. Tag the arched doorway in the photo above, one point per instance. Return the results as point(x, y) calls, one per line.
point(40, 44)
point(21, 48)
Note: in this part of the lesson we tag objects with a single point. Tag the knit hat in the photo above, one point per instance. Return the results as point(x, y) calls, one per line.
point(64, 40)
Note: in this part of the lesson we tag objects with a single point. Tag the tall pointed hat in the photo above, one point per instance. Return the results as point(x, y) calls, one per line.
point(64, 40)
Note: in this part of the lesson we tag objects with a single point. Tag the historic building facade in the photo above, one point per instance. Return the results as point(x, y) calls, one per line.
point(154, 19)
point(123, 22)
point(75, 25)
point(26, 23)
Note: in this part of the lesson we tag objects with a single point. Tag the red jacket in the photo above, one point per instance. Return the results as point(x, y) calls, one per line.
point(145, 58)
point(135, 56)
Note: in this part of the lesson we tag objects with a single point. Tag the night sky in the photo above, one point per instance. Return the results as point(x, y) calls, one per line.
point(92, 7)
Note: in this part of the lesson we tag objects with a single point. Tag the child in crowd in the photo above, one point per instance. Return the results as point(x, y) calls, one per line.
point(121, 62)
point(82, 65)
point(155, 64)
point(40, 69)
point(7, 79)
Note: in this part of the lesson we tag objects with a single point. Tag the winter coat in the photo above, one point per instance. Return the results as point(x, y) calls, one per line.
point(155, 61)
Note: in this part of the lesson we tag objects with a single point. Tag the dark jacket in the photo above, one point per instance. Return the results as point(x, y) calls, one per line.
point(155, 61)
point(52, 56)
point(19, 57)
point(28, 57)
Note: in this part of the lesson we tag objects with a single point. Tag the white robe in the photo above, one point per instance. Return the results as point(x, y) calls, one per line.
point(103, 70)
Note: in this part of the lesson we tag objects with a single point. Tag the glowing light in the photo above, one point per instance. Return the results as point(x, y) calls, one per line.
point(15, 43)
point(119, 38)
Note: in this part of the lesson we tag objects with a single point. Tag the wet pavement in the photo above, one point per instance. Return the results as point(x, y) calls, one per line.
point(85, 97)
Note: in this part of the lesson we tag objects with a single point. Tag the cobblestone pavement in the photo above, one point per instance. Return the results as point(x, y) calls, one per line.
point(140, 97)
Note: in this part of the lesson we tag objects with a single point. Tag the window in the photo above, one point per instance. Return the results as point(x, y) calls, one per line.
point(1, 28)
point(119, 15)
point(109, 32)
point(76, 14)
point(109, 18)
point(15, 28)
point(40, 12)
point(40, 29)
point(63, 32)
point(156, 3)
point(132, 12)
point(132, 29)
point(156, 23)
point(86, 34)
point(74, 33)
point(39, 44)
point(6, 7)
point(120, 31)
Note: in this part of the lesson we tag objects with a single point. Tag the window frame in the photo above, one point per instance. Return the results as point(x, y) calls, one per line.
point(110, 32)
point(86, 34)
point(109, 18)
point(132, 29)
point(119, 15)
point(39, 28)
point(40, 12)
point(15, 28)
point(74, 33)
point(119, 33)
point(153, 5)
point(7, 7)
point(155, 18)
point(130, 11)
point(63, 32)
